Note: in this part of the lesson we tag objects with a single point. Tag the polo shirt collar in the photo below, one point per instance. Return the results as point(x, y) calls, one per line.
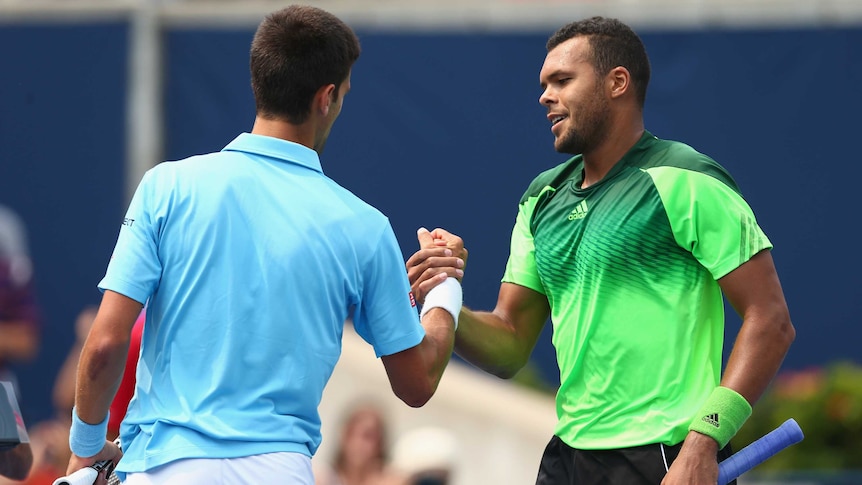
point(268, 146)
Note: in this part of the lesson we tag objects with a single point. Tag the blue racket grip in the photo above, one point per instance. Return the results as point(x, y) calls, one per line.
point(789, 433)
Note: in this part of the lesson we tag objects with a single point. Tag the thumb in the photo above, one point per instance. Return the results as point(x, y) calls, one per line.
point(426, 240)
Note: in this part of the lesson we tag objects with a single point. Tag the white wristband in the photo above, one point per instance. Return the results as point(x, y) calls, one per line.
point(447, 295)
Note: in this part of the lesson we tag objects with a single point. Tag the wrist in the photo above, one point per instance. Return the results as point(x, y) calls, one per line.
point(721, 416)
point(701, 443)
point(448, 296)
point(86, 439)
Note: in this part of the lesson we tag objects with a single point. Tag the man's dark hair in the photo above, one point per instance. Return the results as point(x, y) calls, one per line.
point(295, 52)
point(614, 44)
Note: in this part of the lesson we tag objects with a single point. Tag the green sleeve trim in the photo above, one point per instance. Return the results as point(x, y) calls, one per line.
point(521, 267)
point(709, 219)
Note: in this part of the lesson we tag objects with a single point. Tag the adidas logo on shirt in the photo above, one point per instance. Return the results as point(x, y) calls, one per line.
point(712, 419)
point(580, 211)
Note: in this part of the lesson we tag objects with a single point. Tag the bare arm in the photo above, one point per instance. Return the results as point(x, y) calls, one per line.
point(101, 367)
point(103, 356)
point(766, 334)
point(415, 373)
point(500, 342)
point(754, 291)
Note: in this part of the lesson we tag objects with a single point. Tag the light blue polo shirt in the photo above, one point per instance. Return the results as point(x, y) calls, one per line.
point(251, 260)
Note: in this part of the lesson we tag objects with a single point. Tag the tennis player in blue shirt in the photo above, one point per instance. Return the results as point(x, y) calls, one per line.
point(250, 260)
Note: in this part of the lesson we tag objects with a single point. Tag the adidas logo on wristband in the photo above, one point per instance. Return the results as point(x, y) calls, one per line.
point(712, 419)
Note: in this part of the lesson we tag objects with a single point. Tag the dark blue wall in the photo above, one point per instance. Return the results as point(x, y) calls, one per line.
point(62, 112)
point(446, 130)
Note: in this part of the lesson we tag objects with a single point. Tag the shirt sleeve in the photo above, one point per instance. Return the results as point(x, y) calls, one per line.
point(386, 316)
point(709, 219)
point(135, 269)
point(521, 266)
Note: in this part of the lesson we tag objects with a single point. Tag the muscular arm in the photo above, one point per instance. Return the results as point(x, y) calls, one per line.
point(415, 373)
point(500, 342)
point(101, 367)
point(103, 356)
point(754, 291)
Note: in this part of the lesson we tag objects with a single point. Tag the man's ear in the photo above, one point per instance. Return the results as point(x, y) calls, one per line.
point(619, 81)
point(323, 98)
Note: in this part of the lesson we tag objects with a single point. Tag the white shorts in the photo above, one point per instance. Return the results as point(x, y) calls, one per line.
point(290, 468)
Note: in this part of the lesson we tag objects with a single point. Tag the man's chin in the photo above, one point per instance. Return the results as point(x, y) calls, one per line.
point(567, 148)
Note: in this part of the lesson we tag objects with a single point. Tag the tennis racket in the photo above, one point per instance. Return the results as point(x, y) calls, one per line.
point(789, 433)
point(88, 475)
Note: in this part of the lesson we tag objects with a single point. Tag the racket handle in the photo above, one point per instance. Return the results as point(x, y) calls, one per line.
point(789, 433)
point(84, 476)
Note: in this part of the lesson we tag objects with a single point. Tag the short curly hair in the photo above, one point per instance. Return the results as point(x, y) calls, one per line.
point(614, 44)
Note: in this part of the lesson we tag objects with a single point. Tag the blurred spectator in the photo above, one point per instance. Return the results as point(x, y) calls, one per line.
point(361, 458)
point(428, 456)
point(19, 316)
point(16, 457)
point(50, 439)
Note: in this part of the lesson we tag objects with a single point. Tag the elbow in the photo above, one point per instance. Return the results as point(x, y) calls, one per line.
point(102, 354)
point(416, 401)
point(788, 332)
point(784, 332)
point(508, 369)
point(505, 372)
point(417, 395)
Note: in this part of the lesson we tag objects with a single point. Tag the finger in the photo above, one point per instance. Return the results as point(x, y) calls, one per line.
point(452, 241)
point(440, 233)
point(431, 278)
point(423, 255)
point(416, 270)
point(425, 238)
point(434, 278)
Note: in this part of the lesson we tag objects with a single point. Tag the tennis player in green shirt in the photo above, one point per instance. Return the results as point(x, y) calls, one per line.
point(628, 247)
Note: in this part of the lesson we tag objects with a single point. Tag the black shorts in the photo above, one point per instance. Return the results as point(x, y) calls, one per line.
point(640, 465)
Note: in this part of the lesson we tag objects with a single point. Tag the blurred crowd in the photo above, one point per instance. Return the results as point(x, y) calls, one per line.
point(421, 456)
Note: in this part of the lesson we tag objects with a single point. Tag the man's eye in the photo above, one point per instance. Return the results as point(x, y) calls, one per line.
point(564, 81)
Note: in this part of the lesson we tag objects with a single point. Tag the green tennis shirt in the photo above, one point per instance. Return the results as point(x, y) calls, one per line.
point(629, 266)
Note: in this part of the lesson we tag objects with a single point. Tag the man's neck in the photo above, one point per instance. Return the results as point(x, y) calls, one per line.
point(600, 161)
point(302, 134)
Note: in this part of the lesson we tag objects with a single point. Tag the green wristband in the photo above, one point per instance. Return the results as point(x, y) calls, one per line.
point(721, 415)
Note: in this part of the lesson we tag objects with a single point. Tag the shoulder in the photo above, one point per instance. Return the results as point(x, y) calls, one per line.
point(355, 205)
point(192, 163)
point(673, 159)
